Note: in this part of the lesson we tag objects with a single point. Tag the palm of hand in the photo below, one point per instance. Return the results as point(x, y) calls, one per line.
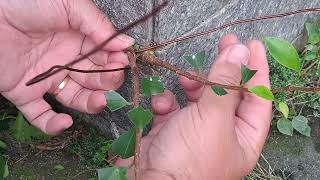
point(213, 137)
point(56, 33)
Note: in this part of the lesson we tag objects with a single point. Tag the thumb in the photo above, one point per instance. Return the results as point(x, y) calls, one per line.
point(85, 16)
point(227, 70)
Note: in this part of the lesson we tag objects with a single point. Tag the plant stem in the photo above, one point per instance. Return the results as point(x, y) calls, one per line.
point(136, 102)
point(157, 62)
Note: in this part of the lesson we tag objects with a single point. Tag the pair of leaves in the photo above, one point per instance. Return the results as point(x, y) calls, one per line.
point(112, 173)
point(150, 86)
point(247, 75)
point(299, 123)
point(22, 131)
point(125, 144)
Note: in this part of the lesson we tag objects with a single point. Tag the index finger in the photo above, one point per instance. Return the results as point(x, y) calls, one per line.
point(255, 113)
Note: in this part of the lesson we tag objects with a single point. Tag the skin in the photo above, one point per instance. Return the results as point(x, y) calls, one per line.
point(212, 138)
point(37, 34)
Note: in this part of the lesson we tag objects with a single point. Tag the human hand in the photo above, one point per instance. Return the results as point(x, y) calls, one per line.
point(213, 137)
point(36, 35)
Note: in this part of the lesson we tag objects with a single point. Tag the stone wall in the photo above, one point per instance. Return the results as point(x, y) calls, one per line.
point(184, 17)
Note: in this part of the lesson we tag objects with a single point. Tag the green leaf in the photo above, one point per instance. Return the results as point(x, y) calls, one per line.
point(125, 144)
point(22, 131)
point(112, 173)
point(219, 91)
point(152, 86)
point(309, 56)
point(140, 117)
point(300, 123)
point(2, 167)
point(58, 167)
point(285, 126)
point(262, 92)
point(6, 171)
point(3, 145)
point(115, 101)
point(136, 47)
point(247, 74)
point(311, 47)
point(283, 52)
point(284, 109)
point(313, 33)
point(318, 70)
point(197, 60)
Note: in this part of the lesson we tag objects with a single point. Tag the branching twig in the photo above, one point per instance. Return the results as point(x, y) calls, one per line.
point(295, 88)
point(157, 62)
point(136, 102)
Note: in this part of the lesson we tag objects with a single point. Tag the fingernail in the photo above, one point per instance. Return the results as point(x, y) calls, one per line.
point(125, 38)
point(68, 125)
point(238, 54)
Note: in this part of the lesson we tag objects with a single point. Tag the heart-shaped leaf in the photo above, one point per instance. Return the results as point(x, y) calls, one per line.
point(283, 52)
point(140, 117)
point(284, 109)
point(285, 126)
point(152, 86)
point(313, 33)
point(112, 173)
point(125, 144)
point(262, 92)
point(309, 56)
point(115, 101)
point(247, 74)
point(300, 123)
point(197, 60)
point(219, 91)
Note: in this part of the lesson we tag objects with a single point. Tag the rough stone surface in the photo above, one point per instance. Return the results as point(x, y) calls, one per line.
point(186, 17)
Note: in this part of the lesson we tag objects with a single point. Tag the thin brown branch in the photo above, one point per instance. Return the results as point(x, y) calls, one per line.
point(136, 102)
point(296, 88)
point(237, 22)
point(53, 70)
point(157, 62)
